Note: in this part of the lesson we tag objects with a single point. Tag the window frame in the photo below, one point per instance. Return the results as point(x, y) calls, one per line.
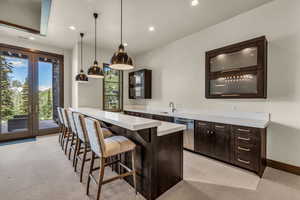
point(121, 89)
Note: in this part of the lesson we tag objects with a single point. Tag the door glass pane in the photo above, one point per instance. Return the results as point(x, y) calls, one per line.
point(112, 89)
point(14, 92)
point(46, 97)
point(226, 62)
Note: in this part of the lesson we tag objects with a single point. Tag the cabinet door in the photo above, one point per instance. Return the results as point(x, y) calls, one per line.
point(203, 138)
point(221, 141)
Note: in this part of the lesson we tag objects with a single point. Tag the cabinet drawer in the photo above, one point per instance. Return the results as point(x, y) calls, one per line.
point(246, 159)
point(245, 139)
point(245, 130)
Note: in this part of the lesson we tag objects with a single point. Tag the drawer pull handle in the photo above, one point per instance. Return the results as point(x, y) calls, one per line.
point(220, 127)
point(243, 130)
point(243, 161)
point(243, 149)
point(245, 139)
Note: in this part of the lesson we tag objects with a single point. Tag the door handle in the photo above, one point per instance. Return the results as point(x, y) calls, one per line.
point(30, 109)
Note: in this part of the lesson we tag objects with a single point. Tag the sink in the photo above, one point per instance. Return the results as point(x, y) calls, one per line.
point(164, 112)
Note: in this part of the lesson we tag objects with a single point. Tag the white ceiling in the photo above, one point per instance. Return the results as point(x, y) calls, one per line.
point(172, 19)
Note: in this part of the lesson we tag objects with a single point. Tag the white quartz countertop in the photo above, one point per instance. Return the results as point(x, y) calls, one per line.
point(130, 122)
point(166, 128)
point(257, 120)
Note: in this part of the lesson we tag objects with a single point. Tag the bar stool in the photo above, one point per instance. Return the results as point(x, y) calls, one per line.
point(61, 125)
point(72, 136)
point(66, 128)
point(104, 149)
point(68, 133)
point(82, 140)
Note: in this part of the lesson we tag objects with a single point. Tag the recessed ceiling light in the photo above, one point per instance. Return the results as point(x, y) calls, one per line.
point(31, 38)
point(194, 2)
point(72, 28)
point(151, 28)
point(125, 44)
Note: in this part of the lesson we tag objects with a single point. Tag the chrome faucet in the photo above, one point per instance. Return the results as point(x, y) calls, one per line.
point(172, 106)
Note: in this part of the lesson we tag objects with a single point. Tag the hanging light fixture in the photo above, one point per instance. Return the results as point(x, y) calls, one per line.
point(95, 71)
point(120, 59)
point(81, 77)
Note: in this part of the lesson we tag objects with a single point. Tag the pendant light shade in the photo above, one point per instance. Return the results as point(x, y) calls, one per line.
point(81, 77)
point(95, 71)
point(120, 59)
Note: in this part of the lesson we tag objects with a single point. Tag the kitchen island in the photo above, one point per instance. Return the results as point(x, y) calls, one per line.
point(159, 151)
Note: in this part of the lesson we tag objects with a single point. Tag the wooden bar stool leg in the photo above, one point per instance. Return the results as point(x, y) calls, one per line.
point(71, 144)
point(77, 154)
point(101, 175)
point(59, 134)
point(83, 162)
point(67, 140)
point(134, 171)
point(90, 173)
point(75, 151)
point(63, 137)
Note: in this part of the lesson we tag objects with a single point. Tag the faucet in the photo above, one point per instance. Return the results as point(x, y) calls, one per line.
point(172, 106)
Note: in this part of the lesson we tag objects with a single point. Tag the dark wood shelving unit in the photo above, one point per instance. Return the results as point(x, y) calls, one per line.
point(140, 84)
point(238, 70)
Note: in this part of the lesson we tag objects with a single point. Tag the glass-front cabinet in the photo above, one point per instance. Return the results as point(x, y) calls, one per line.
point(238, 70)
point(140, 84)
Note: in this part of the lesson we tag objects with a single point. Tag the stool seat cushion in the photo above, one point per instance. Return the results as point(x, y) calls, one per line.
point(117, 144)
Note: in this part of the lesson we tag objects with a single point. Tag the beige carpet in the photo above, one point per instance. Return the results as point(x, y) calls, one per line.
point(40, 171)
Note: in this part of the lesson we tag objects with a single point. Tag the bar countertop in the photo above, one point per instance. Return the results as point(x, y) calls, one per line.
point(131, 122)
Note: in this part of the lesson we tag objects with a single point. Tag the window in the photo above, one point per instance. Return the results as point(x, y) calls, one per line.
point(112, 89)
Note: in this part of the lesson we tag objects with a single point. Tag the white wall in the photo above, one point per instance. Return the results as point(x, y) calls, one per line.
point(88, 94)
point(179, 68)
point(67, 60)
point(23, 13)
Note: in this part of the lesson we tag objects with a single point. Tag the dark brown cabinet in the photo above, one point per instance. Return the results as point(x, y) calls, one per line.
point(242, 146)
point(213, 139)
point(140, 84)
point(203, 138)
point(221, 141)
point(238, 70)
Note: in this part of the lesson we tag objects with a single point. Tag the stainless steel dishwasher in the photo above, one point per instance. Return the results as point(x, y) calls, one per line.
point(188, 135)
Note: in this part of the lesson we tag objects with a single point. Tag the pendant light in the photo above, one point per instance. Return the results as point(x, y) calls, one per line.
point(120, 60)
point(95, 71)
point(81, 77)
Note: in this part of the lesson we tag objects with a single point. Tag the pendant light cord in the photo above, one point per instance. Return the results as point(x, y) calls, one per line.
point(81, 34)
point(122, 22)
point(96, 15)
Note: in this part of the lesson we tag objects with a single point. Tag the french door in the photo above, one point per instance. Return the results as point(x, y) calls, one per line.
point(31, 88)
